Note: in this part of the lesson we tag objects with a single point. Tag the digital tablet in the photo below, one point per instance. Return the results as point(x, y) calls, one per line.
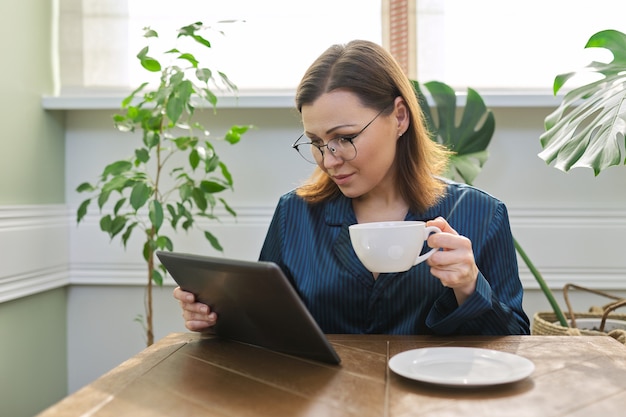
point(254, 301)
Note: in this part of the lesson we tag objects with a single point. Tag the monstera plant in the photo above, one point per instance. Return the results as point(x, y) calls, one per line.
point(174, 176)
point(469, 141)
point(588, 127)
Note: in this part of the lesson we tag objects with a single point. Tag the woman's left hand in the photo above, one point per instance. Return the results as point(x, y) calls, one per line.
point(454, 265)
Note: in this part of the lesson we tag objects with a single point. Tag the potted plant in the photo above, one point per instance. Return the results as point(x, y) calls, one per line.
point(155, 191)
point(469, 141)
point(588, 127)
point(589, 124)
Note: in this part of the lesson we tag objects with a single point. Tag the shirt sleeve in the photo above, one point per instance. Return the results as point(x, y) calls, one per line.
point(495, 308)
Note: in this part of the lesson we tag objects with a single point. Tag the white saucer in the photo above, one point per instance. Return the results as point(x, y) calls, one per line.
point(461, 366)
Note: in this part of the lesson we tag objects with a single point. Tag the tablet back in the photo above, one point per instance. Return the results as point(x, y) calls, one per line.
point(254, 302)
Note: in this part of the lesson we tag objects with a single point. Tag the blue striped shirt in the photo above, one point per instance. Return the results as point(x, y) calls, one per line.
point(311, 244)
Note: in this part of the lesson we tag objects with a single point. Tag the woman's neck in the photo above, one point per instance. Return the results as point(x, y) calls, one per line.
point(379, 209)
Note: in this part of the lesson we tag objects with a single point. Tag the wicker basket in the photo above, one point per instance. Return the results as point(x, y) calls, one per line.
point(546, 323)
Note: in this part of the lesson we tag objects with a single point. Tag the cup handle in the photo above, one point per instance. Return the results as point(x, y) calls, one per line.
point(427, 231)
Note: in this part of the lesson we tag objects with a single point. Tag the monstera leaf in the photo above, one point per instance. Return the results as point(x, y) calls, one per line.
point(587, 129)
point(469, 139)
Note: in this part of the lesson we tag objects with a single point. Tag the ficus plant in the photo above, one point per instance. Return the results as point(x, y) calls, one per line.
point(174, 177)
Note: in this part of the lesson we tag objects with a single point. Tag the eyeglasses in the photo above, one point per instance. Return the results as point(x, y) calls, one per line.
point(343, 147)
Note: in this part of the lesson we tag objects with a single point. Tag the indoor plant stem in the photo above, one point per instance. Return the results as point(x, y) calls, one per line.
point(544, 287)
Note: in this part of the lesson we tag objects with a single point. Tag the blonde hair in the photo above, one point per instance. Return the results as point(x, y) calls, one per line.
point(369, 71)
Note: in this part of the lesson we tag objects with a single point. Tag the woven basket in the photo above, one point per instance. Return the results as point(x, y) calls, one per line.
point(546, 323)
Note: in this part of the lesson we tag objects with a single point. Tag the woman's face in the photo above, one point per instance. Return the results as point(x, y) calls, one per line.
point(339, 114)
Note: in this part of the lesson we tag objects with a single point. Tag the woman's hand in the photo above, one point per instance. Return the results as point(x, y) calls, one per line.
point(454, 265)
point(198, 316)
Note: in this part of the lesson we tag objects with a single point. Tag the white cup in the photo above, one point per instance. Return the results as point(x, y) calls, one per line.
point(391, 246)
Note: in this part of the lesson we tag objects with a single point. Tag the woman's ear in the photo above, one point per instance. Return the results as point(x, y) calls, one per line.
point(401, 111)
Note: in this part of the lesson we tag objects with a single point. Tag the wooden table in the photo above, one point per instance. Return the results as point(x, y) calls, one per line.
point(185, 374)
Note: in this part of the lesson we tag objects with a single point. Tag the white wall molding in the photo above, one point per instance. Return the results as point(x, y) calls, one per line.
point(42, 248)
point(559, 241)
point(34, 249)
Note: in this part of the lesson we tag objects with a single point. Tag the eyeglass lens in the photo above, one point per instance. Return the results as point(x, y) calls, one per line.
point(340, 148)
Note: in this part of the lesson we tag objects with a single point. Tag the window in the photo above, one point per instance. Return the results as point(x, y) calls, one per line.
point(269, 47)
point(485, 44)
point(495, 44)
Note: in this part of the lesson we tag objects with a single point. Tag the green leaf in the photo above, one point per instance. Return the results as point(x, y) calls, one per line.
point(185, 191)
point(117, 225)
point(157, 278)
point(119, 205)
point(234, 134)
point(210, 97)
point(142, 155)
point(85, 187)
point(174, 108)
point(226, 174)
point(139, 195)
point(116, 168)
point(211, 186)
point(148, 249)
point(200, 199)
point(127, 233)
point(155, 214)
point(211, 163)
point(228, 208)
point(151, 139)
point(204, 74)
point(189, 30)
point(469, 138)
point(213, 241)
point(466, 167)
point(202, 41)
point(82, 210)
point(190, 58)
point(174, 216)
point(149, 33)
point(103, 198)
point(147, 62)
point(117, 183)
point(132, 95)
point(231, 86)
point(183, 142)
point(588, 127)
point(210, 200)
point(183, 212)
point(194, 158)
point(105, 223)
point(164, 242)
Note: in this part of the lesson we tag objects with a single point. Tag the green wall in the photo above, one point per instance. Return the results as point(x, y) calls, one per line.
point(32, 156)
point(33, 358)
point(33, 330)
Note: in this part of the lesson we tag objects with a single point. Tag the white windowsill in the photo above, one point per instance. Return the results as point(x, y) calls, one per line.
point(282, 99)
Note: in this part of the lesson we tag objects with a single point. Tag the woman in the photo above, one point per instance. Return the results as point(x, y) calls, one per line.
point(375, 162)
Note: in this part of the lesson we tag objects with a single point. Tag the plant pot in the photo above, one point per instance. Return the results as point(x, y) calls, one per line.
point(546, 324)
point(594, 324)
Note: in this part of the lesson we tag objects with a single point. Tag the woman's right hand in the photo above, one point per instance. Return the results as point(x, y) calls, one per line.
point(198, 316)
